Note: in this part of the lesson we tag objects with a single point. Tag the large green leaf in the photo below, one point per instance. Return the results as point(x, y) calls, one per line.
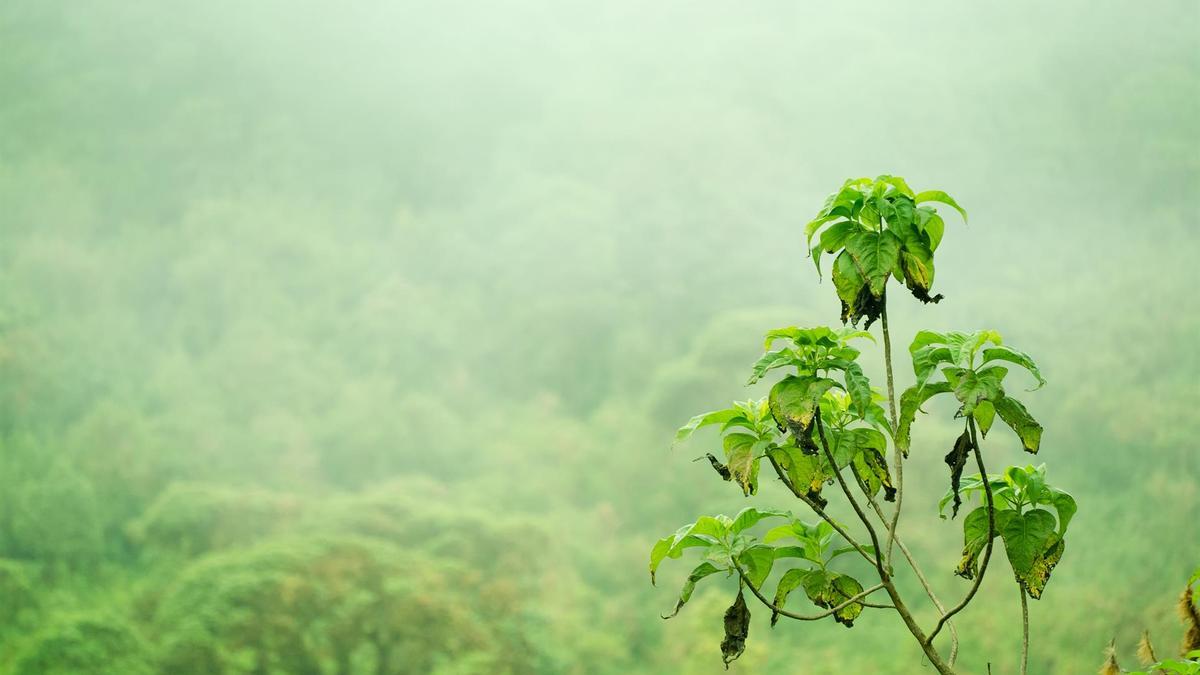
point(833, 239)
point(1020, 358)
point(1019, 420)
point(985, 414)
point(875, 254)
point(714, 417)
point(794, 399)
point(976, 386)
point(701, 571)
point(942, 197)
point(910, 402)
point(1026, 538)
point(756, 562)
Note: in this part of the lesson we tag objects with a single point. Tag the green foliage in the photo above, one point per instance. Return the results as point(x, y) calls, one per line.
point(878, 229)
point(1034, 538)
point(973, 378)
point(86, 645)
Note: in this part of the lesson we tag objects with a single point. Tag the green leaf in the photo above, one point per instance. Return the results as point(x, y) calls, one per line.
point(706, 531)
point(875, 254)
point(929, 222)
point(794, 399)
point(1026, 537)
point(806, 472)
point(815, 224)
point(818, 336)
point(942, 197)
point(910, 402)
point(1019, 420)
point(927, 359)
point(985, 414)
point(741, 458)
point(771, 360)
point(1020, 358)
point(829, 589)
point(750, 516)
point(791, 580)
point(1066, 507)
point(975, 538)
point(714, 417)
point(857, 385)
point(702, 570)
point(924, 338)
point(1039, 572)
point(756, 562)
point(976, 386)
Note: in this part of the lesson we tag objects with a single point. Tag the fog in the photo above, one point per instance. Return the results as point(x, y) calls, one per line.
point(352, 339)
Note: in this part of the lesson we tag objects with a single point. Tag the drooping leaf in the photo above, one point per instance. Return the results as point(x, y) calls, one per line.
point(829, 589)
point(975, 539)
point(833, 239)
point(1026, 537)
point(985, 414)
point(1019, 420)
point(737, 629)
point(871, 468)
point(910, 402)
point(1003, 353)
point(705, 532)
point(875, 254)
point(1035, 580)
point(794, 399)
point(1066, 507)
point(742, 458)
point(804, 471)
point(714, 417)
point(702, 570)
point(791, 580)
point(756, 562)
point(857, 385)
point(956, 459)
point(942, 197)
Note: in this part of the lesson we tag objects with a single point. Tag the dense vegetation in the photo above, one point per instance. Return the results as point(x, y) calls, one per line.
point(352, 341)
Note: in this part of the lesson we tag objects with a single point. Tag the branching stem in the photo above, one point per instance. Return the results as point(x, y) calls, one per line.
point(987, 554)
point(802, 617)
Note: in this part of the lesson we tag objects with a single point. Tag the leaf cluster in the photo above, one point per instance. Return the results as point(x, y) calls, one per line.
point(878, 229)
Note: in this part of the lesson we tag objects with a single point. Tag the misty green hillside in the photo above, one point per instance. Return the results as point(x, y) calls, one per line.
point(344, 340)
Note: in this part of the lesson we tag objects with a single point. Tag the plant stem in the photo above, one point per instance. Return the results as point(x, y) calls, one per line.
point(884, 575)
point(912, 563)
point(899, 458)
point(801, 617)
point(818, 510)
point(1024, 630)
point(987, 554)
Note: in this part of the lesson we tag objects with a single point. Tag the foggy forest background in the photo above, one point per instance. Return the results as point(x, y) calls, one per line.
point(351, 337)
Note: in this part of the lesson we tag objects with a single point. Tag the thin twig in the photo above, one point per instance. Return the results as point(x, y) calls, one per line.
point(912, 563)
point(987, 554)
point(879, 566)
point(802, 617)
